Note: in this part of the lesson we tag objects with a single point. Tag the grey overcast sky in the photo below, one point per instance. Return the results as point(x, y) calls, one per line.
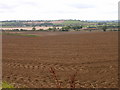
point(58, 9)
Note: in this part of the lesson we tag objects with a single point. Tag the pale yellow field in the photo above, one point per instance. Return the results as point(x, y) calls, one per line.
point(27, 28)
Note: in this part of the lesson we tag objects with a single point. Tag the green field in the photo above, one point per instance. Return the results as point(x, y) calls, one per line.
point(29, 35)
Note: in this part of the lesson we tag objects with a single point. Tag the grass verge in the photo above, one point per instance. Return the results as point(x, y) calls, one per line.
point(29, 35)
point(6, 85)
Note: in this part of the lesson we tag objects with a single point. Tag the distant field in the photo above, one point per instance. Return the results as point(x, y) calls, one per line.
point(25, 28)
point(94, 55)
point(67, 23)
point(74, 22)
point(43, 33)
point(57, 22)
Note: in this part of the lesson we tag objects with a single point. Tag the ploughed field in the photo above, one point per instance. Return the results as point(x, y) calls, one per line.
point(27, 61)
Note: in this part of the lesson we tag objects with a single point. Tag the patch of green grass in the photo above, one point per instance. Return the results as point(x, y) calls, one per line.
point(6, 85)
point(76, 22)
point(29, 35)
point(71, 22)
point(8, 26)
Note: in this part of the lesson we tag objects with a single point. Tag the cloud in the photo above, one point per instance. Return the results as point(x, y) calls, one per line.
point(58, 9)
point(4, 8)
point(31, 3)
point(7, 6)
point(82, 6)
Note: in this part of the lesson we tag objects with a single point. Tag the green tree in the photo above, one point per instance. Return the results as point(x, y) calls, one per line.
point(54, 28)
point(104, 28)
point(50, 29)
point(33, 28)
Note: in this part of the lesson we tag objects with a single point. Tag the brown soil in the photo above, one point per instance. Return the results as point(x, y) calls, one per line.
point(39, 33)
point(27, 60)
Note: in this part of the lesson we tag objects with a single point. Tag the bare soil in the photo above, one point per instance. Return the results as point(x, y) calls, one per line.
point(27, 60)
